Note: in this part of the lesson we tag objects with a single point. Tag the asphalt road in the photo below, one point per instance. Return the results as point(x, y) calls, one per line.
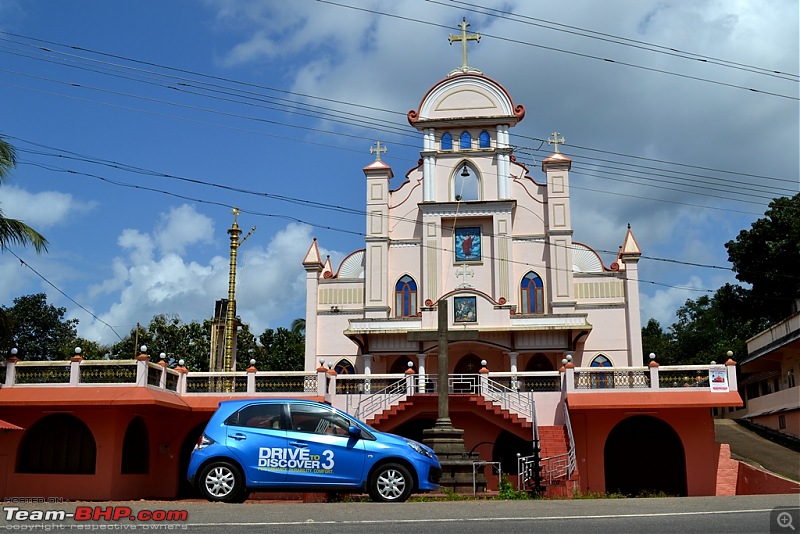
point(740, 514)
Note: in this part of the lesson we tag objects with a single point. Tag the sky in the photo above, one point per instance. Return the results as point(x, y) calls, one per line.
point(139, 126)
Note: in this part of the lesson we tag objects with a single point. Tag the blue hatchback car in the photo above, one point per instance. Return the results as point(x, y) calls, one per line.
point(301, 445)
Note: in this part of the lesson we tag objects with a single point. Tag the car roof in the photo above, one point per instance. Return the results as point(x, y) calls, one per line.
point(235, 404)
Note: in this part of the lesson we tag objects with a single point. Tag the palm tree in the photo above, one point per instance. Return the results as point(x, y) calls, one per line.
point(299, 326)
point(12, 231)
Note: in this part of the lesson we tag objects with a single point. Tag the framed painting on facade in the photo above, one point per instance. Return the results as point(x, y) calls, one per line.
point(465, 310)
point(467, 242)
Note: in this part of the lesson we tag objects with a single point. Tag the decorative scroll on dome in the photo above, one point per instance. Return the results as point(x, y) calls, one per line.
point(585, 260)
point(353, 266)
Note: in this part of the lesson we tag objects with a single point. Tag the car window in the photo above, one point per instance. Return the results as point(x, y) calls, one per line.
point(316, 420)
point(258, 416)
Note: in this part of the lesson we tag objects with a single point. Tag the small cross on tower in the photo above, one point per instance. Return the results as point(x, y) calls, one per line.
point(464, 38)
point(377, 149)
point(555, 140)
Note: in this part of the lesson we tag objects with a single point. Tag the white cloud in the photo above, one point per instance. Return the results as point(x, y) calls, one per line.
point(270, 288)
point(662, 304)
point(183, 226)
point(40, 210)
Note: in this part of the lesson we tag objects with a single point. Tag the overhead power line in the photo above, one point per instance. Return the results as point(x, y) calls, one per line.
point(572, 52)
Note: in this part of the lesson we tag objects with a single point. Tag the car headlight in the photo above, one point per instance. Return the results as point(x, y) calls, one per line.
point(420, 449)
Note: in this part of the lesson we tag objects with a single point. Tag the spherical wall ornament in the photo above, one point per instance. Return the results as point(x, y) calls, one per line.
point(77, 350)
point(181, 362)
point(253, 361)
point(163, 356)
point(652, 355)
point(14, 351)
point(143, 349)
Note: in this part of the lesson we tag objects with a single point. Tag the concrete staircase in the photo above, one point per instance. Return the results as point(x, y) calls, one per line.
point(553, 440)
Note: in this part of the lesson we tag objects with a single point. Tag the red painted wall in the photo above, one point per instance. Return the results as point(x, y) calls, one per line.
point(753, 481)
point(694, 426)
point(167, 428)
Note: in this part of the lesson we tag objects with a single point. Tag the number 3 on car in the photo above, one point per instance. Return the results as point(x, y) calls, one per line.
point(298, 445)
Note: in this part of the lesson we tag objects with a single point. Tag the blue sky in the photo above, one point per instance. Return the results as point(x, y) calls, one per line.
point(139, 125)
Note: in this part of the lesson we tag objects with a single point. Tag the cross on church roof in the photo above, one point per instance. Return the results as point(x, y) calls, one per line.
point(555, 140)
point(377, 149)
point(464, 38)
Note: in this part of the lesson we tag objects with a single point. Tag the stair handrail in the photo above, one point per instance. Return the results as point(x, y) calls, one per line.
point(510, 399)
point(571, 451)
point(376, 402)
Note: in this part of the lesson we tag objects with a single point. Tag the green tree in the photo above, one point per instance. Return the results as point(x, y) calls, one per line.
point(12, 231)
point(284, 349)
point(168, 335)
point(39, 330)
point(656, 341)
point(767, 256)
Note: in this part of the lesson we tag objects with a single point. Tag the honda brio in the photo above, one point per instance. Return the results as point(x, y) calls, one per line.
point(300, 445)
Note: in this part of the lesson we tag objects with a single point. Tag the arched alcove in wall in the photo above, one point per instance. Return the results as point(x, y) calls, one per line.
point(58, 443)
point(644, 454)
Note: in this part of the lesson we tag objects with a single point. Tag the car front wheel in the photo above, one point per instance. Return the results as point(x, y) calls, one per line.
point(391, 483)
point(222, 482)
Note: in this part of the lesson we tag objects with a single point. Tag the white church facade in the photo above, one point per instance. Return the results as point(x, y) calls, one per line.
point(472, 225)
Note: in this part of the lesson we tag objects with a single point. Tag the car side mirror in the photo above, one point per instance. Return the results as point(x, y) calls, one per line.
point(354, 431)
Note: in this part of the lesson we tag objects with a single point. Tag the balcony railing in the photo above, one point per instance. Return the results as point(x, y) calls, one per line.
point(574, 380)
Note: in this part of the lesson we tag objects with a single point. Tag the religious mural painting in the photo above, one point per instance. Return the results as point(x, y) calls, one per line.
point(467, 244)
point(465, 310)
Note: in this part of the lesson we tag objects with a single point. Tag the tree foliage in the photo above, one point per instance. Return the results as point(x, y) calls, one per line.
point(767, 257)
point(168, 335)
point(38, 330)
point(12, 231)
point(284, 350)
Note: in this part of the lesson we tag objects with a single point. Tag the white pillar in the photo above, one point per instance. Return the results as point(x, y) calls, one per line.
point(421, 370)
point(512, 357)
point(367, 371)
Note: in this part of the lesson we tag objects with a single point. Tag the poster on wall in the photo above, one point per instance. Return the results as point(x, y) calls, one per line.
point(467, 244)
point(718, 379)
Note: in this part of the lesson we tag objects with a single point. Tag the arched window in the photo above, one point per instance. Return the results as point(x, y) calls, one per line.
point(601, 361)
point(466, 141)
point(58, 443)
point(405, 297)
point(136, 448)
point(447, 142)
point(344, 367)
point(484, 141)
point(466, 185)
point(602, 380)
point(532, 300)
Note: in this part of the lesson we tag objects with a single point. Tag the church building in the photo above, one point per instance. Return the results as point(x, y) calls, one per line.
point(492, 239)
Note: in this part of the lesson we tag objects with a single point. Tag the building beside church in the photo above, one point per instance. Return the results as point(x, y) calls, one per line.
point(543, 343)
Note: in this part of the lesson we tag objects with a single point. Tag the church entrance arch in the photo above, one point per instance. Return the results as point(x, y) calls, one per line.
point(644, 436)
point(469, 364)
point(506, 449)
point(539, 362)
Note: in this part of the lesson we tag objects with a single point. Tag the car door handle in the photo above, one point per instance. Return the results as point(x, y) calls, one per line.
point(299, 444)
point(238, 436)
